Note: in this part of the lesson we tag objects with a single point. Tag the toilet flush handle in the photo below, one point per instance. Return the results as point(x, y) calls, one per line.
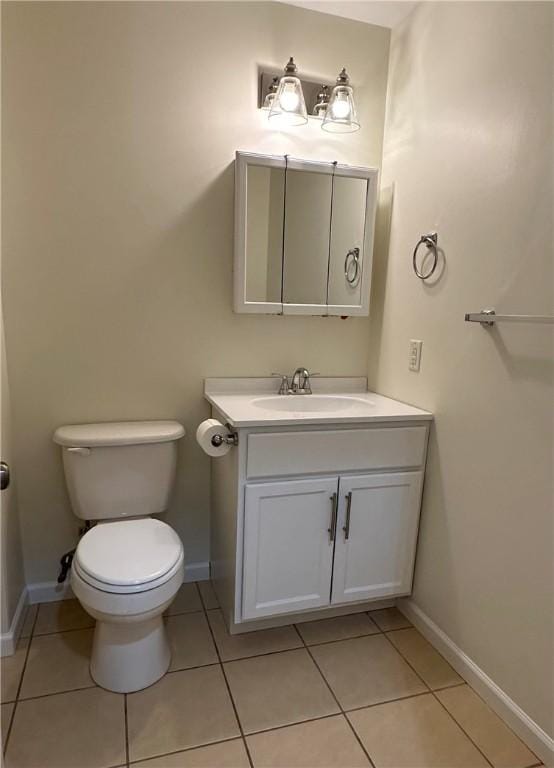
point(80, 451)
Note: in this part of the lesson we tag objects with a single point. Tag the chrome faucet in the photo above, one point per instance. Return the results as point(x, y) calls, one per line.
point(299, 383)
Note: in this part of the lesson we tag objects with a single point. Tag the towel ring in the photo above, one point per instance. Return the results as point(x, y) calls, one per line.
point(430, 240)
point(352, 278)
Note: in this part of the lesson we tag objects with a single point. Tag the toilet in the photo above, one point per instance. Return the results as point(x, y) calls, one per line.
point(128, 566)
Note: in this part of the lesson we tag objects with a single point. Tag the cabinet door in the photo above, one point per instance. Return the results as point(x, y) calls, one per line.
point(288, 551)
point(376, 536)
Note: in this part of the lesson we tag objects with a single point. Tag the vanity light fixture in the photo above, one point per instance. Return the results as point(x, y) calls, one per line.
point(288, 107)
point(291, 100)
point(340, 115)
point(322, 102)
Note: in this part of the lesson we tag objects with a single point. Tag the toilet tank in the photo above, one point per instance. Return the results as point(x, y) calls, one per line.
point(119, 469)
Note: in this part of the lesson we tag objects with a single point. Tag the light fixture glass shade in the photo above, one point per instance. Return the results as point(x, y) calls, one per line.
point(268, 101)
point(289, 107)
point(270, 96)
point(341, 115)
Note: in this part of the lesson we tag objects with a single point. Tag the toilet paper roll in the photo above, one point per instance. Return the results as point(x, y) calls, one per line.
point(204, 434)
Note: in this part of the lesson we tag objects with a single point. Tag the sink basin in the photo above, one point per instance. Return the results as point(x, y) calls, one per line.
point(308, 403)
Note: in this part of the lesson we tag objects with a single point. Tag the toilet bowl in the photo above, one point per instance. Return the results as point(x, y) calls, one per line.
point(127, 567)
point(125, 574)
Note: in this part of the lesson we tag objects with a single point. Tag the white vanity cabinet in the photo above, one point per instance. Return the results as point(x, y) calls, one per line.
point(315, 519)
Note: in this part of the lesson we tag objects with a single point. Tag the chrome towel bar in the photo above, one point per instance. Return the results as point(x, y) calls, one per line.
point(488, 317)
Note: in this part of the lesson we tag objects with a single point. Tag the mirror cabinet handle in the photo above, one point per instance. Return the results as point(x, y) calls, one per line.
point(352, 259)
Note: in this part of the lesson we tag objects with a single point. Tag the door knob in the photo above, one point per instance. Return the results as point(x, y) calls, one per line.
point(4, 475)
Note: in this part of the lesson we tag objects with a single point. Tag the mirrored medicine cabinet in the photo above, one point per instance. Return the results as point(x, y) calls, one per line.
point(303, 236)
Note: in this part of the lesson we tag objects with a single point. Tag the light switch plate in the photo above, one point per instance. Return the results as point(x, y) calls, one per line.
point(414, 361)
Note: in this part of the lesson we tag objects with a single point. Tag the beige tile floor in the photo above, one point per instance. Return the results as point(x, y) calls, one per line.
point(359, 690)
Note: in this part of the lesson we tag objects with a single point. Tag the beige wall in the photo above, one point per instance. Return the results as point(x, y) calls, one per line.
point(468, 148)
point(120, 123)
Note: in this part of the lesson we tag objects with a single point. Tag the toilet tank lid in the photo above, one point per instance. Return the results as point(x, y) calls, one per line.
point(118, 433)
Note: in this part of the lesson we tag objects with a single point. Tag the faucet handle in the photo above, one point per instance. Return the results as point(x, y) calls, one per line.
point(284, 388)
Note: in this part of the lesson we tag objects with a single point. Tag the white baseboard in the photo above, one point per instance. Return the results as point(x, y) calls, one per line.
point(51, 591)
point(518, 720)
point(8, 640)
point(197, 571)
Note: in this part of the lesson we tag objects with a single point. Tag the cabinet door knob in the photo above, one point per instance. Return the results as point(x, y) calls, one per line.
point(332, 530)
point(346, 526)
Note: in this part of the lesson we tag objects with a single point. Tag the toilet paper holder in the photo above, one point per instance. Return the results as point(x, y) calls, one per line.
point(231, 438)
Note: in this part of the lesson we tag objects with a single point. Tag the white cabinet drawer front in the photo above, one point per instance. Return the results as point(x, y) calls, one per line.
point(348, 450)
point(288, 555)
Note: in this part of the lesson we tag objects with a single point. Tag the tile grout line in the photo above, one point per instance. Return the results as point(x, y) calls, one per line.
point(184, 613)
point(16, 701)
point(451, 716)
point(393, 629)
point(460, 726)
point(126, 729)
point(339, 705)
point(185, 749)
point(294, 724)
point(386, 701)
point(339, 640)
point(60, 693)
point(448, 687)
point(92, 626)
point(459, 685)
point(432, 692)
point(64, 631)
point(241, 729)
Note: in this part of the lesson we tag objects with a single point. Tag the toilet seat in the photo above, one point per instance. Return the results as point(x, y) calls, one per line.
point(129, 556)
point(118, 589)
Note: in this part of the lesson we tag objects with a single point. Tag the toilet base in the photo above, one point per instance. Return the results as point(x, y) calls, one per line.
point(127, 657)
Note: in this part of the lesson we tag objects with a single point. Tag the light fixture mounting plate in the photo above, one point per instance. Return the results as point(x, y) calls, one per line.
point(310, 88)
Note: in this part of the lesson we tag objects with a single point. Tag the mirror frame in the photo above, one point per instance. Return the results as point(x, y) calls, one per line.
point(240, 304)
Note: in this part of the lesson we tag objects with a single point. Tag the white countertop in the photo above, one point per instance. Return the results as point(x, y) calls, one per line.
point(255, 402)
